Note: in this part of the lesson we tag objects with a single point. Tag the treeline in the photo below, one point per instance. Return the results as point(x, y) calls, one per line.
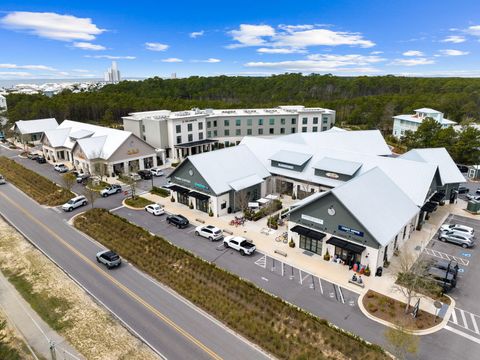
point(367, 102)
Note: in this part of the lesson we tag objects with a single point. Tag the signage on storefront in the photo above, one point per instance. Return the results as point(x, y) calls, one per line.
point(312, 219)
point(180, 179)
point(286, 166)
point(132, 151)
point(331, 175)
point(350, 230)
point(201, 186)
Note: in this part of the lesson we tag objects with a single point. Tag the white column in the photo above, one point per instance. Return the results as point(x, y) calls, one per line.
point(126, 170)
point(141, 164)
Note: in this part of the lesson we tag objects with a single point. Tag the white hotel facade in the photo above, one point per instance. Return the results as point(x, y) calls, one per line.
point(195, 131)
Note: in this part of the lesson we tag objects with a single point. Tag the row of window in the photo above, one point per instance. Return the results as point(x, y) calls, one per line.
point(272, 121)
point(190, 138)
point(271, 131)
point(178, 128)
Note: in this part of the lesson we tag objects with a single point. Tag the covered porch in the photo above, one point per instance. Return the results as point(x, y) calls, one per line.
point(181, 151)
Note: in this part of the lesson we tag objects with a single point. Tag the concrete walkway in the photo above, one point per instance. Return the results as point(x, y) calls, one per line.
point(315, 264)
point(36, 333)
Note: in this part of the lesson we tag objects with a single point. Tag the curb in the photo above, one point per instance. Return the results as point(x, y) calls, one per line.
point(131, 207)
point(428, 331)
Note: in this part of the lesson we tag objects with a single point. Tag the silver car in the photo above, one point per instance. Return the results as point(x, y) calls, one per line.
point(109, 258)
point(2, 180)
point(453, 237)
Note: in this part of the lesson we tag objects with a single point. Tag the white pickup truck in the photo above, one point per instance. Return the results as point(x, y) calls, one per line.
point(240, 244)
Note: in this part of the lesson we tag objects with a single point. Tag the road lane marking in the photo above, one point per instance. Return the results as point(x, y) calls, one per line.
point(461, 333)
point(475, 326)
point(117, 208)
point(320, 282)
point(465, 324)
point(160, 315)
point(262, 262)
point(454, 317)
point(446, 256)
point(341, 294)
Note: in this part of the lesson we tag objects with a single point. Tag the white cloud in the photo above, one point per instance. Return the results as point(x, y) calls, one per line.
point(196, 34)
point(294, 37)
point(88, 46)
point(153, 46)
point(111, 57)
point(7, 74)
point(452, 52)
point(352, 63)
point(172, 60)
point(81, 70)
point(376, 52)
point(413, 62)
point(265, 50)
point(473, 30)
point(52, 25)
point(27, 67)
point(209, 60)
point(412, 53)
point(456, 39)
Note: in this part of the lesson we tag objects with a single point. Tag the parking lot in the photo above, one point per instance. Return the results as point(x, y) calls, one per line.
point(466, 315)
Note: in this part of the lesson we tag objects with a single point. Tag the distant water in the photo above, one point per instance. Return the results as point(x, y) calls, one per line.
point(12, 82)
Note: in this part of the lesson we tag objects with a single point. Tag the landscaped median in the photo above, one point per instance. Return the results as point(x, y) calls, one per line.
point(278, 327)
point(137, 202)
point(42, 190)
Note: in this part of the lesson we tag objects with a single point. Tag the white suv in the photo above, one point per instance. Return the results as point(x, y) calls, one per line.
point(75, 203)
point(461, 229)
point(210, 232)
point(157, 172)
point(155, 209)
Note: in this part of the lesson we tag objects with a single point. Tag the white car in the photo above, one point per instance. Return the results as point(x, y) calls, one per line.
point(473, 197)
point(62, 168)
point(210, 232)
point(242, 245)
point(155, 209)
point(462, 229)
point(2, 180)
point(74, 203)
point(157, 172)
point(134, 176)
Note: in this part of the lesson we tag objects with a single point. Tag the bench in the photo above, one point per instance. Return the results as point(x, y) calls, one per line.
point(280, 252)
point(200, 221)
point(228, 232)
point(362, 285)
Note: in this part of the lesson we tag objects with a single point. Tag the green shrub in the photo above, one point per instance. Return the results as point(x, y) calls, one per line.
point(174, 164)
point(160, 191)
point(138, 202)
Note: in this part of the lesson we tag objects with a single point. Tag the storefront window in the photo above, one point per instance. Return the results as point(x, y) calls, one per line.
point(202, 205)
point(310, 244)
point(182, 199)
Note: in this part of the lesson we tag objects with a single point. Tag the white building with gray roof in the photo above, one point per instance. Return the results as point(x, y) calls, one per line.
point(406, 122)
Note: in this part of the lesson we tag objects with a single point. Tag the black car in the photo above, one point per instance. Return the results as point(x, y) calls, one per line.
point(145, 174)
point(463, 189)
point(462, 168)
point(41, 160)
point(179, 221)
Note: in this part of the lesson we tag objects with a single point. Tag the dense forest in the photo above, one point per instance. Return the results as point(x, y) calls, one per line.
point(366, 102)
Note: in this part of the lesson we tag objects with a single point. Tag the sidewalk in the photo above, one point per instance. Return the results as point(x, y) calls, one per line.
point(34, 330)
point(315, 264)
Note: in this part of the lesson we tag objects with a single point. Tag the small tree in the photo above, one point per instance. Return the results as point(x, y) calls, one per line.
point(401, 342)
point(91, 195)
point(410, 277)
point(68, 180)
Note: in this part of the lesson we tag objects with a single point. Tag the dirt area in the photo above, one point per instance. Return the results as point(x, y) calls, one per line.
point(12, 344)
point(91, 329)
point(393, 311)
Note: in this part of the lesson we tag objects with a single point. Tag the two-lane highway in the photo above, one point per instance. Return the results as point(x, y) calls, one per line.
point(168, 323)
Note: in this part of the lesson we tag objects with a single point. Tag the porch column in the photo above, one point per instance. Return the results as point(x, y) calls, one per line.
point(155, 164)
point(126, 169)
point(141, 164)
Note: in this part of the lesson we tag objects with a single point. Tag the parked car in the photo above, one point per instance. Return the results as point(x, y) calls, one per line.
point(145, 174)
point(473, 197)
point(61, 168)
point(451, 266)
point(32, 156)
point(109, 258)
point(463, 240)
point(134, 176)
point(445, 280)
point(462, 189)
point(477, 191)
point(462, 229)
point(157, 172)
point(155, 209)
point(462, 168)
point(110, 190)
point(74, 203)
point(82, 178)
point(178, 220)
point(2, 180)
point(41, 160)
point(240, 244)
point(210, 232)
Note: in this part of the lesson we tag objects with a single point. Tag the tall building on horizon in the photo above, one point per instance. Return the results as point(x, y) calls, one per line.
point(112, 75)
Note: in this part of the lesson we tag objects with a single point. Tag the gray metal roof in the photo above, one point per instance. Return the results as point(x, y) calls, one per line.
point(291, 157)
point(35, 126)
point(337, 166)
point(246, 182)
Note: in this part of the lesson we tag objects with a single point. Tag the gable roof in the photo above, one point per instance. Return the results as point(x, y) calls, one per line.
point(35, 126)
point(449, 173)
point(291, 157)
point(428, 110)
point(337, 166)
point(222, 168)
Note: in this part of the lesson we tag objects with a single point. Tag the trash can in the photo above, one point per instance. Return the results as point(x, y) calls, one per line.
point(379, 271)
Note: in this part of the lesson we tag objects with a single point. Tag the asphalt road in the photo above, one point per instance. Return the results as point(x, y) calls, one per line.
point(170, 325)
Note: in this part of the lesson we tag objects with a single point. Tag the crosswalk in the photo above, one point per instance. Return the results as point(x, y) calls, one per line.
point(466, 322)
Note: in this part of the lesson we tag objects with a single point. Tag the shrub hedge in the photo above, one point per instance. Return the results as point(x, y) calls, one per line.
point(36, 186)
point(280, 328)
point(160, 191)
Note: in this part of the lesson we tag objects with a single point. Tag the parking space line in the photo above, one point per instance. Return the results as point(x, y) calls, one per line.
point(446, 256)
point(341, 294)
point(304, 278)
point(117, 208)
point(475, 326)
point(464, 318)
point(300, 272)
point(262, 262)
point(461, 333)
point(454, 317)
point(320, 282)
point(190, 231)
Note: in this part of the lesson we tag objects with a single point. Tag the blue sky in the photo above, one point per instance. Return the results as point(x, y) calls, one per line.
point(61, 39)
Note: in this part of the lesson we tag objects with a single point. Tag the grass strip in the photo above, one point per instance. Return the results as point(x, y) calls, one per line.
point(280, 328)
point(138, 202)
point(50, 308)
point(160, 192)
point(42, 190)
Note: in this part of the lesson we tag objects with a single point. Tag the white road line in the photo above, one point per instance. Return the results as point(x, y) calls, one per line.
point(262, 262)
point(454, 317)
point(475, 326)
point(341, 294)
point(190, 231)
point(463, 318)
point(304, 278)
point(320, 282)
point(283, 269)
point(461, 333)
point(117, 208)
point(300, 273)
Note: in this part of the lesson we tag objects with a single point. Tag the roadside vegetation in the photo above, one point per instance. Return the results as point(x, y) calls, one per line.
point(11, 346)
point(138, 202)
point(42, 190)
point(89, 328)
point(278, 327)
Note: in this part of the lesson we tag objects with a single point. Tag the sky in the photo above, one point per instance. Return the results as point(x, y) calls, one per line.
point(79, 39)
